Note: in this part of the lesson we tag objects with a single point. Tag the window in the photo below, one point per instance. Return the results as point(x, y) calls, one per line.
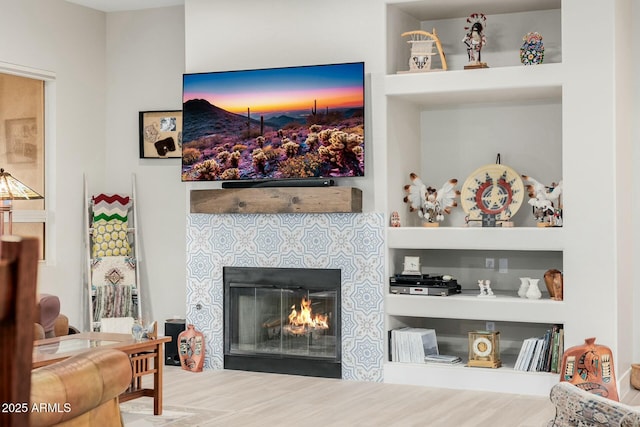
point(22, 145)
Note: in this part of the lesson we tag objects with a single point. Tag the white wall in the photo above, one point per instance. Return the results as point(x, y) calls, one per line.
point(69, 41)
point(635, 138)
point(145, 62)
point(259, 34)
point(139, 57)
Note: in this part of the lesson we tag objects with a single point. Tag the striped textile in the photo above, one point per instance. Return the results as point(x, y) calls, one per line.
point(110, 206)
point(113, 301)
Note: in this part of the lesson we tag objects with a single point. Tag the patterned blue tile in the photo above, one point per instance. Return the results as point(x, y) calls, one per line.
point(352, 243)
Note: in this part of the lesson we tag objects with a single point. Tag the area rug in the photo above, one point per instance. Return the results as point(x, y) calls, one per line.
point(140, 414)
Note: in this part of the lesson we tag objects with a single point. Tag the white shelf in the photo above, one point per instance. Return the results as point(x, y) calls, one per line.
point(490, 85)
point(479, 238)
point(501, 308)
point(446, 9)
point(502, 380)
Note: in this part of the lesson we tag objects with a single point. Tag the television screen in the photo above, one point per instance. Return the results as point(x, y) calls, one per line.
point(276, 123)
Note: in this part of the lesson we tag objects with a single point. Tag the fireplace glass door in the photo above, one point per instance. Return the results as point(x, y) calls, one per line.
point(282, 321)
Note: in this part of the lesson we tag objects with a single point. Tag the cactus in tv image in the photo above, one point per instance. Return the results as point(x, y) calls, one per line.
point(305, 166)
point(209, 170)
point(259, 160)
point(223, 157)
point(190, 156)
point(290, 147)
point(341, 148)
point(332, 146)
point(234, 159)
point(231, 173)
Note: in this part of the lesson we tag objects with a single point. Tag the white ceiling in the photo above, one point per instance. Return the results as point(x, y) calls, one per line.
point(119, 5)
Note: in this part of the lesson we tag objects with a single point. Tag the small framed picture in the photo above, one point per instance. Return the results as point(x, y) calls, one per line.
point(22, 140)
point(160, 134)
point(412, 265)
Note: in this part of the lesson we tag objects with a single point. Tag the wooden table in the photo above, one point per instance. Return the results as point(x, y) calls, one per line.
point(51, 350)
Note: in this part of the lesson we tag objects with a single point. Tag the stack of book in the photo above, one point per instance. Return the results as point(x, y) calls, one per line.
point(413, 344)
point(542, 354)
point(442, 359)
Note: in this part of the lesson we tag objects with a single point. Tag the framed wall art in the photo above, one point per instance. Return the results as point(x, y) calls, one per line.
point(160, 134)
point(22, 142)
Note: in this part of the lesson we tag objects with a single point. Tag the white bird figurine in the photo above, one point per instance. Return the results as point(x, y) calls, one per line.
point(539, 194)
point(430, 204)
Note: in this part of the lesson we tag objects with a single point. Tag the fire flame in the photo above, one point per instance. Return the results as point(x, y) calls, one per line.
point(305, 319)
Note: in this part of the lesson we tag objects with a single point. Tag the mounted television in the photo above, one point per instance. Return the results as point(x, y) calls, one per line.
point(274, 124)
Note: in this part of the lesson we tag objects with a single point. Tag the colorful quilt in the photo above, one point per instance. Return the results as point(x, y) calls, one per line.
point(110, 225)
point(113, 271)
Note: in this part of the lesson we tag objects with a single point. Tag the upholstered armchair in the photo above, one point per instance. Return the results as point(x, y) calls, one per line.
point(81, 391)
point(576, 407)
point(49, 322)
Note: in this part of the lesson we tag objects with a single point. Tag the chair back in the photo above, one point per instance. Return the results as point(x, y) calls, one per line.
point(18, 283)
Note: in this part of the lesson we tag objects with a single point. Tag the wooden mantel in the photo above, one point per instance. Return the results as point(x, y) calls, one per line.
point(277, 200)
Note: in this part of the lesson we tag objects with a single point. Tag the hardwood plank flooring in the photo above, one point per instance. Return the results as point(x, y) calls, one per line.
point(236, 398)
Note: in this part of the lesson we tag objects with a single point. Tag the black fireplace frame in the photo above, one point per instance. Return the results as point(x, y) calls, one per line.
point(282, 278)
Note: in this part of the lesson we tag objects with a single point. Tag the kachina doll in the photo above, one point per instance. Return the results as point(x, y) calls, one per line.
point(475, 39)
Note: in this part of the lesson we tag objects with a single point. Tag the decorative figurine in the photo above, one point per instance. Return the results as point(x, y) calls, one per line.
point(542, 198)
point(532, 50)
point(395, 219)
point(422, 50)
point(430, 203)
point(485, 289)
point(475, 39)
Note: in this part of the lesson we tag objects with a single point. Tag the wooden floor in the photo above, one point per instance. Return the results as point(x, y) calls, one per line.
point(235, 398)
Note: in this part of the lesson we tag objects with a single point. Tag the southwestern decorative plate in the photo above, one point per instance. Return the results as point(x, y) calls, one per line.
point(492, 193)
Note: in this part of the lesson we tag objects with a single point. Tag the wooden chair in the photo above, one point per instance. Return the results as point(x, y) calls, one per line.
point(18, 283)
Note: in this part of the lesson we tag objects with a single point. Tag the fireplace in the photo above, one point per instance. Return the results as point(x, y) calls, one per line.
point(283, 320)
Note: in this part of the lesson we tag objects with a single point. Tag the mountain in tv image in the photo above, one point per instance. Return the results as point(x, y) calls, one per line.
point(319, 141)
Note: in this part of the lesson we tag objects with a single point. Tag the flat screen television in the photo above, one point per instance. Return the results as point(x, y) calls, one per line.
point(274, 123)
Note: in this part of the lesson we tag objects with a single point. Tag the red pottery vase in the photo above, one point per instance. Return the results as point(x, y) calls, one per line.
point(191, 349)
point(590, 367)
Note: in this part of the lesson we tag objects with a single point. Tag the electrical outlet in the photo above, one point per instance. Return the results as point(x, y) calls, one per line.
point(490, 326)
point(490, 263)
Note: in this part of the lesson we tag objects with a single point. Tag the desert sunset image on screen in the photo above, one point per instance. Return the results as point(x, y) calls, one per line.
point(276, 123)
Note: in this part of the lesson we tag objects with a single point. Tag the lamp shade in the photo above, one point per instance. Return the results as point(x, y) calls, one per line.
point(12, 189)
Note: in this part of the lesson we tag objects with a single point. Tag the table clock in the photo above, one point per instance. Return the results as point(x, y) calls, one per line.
point(484, 349)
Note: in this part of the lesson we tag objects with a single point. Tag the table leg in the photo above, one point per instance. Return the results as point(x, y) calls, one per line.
point(157, 380)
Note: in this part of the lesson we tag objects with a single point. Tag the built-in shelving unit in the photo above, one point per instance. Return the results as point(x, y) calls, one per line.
point(444, 125)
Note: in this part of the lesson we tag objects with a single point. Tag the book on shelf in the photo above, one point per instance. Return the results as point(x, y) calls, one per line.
point(541, 354)
point(412, 345)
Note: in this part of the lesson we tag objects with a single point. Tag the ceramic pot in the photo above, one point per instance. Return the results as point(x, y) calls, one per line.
point(635, 376)
point(532, 50)
point(533, 292)
point(524, 286)
point(191, 349)
point(590, 367)
point(554, 282)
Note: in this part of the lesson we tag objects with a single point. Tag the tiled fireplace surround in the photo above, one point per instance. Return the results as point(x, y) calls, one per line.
point(352, 243)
